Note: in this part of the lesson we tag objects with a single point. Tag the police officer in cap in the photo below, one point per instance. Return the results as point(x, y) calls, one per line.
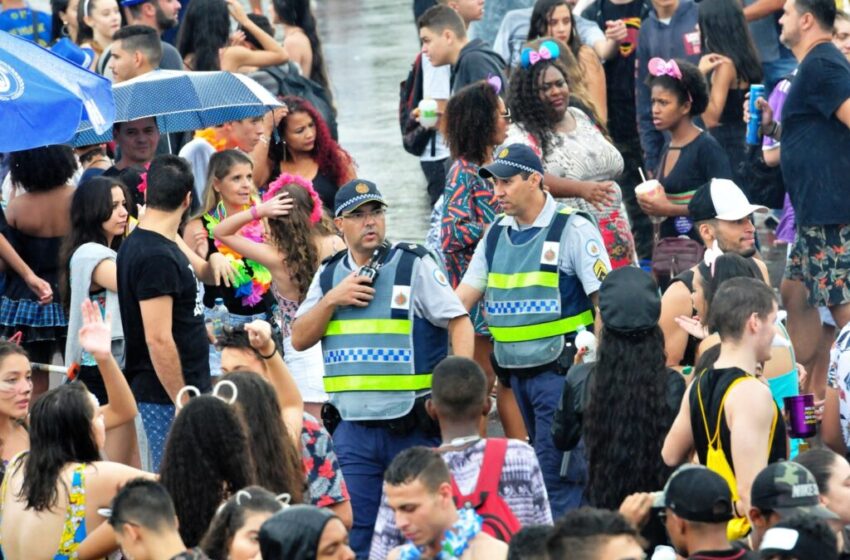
point(385, 315)
point(539, 268)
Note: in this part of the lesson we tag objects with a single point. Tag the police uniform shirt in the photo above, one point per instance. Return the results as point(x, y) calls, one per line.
point(582, 252)
point(432, 296)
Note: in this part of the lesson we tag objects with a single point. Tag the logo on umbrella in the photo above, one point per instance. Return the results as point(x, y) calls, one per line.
point(11, 84)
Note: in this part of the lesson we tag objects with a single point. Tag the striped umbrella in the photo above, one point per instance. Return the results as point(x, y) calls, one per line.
point(183, 101)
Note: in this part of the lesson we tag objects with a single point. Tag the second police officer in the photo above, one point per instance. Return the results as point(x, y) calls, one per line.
point(539, 268)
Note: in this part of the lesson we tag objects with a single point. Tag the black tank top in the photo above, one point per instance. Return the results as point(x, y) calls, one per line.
point(713, 385)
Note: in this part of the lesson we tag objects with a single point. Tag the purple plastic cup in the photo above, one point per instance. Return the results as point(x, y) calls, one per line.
point(800, 413)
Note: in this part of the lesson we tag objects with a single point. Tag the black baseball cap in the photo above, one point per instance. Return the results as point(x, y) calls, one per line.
point(788, 488)
point(629, 300)
point(356, 193)
point(511, 160)
point(721, 199)
point(787, 541)
point(696, 493)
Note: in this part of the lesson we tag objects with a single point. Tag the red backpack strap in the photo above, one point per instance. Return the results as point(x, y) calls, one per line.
point(491, 466)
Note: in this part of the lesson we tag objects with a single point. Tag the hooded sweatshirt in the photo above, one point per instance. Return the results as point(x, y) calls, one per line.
point(293, 532)
point(677, 39)
point(477, 62)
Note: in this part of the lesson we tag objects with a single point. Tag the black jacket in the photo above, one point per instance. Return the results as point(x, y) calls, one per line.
point(477, 62)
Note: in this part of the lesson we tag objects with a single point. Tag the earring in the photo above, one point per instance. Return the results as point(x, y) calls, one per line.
point(64, 31)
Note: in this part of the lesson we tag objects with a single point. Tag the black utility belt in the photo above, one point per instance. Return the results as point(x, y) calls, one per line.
point(560, 365)
point(417, 418)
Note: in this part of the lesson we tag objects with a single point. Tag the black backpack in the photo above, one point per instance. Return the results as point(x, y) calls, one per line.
point(414, 136)
point(283, 81)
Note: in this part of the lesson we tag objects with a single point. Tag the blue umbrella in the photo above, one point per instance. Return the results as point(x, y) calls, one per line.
point(43, 97)
point(184, 101)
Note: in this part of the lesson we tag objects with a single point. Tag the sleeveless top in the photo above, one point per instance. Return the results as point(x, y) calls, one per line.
point(74, 530)
point(19, 307)
point(713, 386)
point(326, 190)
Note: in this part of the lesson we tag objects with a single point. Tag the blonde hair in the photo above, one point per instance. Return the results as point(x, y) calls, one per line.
point(219, 166)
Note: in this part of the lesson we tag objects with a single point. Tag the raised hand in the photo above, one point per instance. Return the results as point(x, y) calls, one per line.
point(96, 334)
point(275, 207)
point(259, 334)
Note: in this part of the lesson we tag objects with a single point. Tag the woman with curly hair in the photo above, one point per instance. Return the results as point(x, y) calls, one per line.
point(691, 157)
point(229, 191)
point(277, 460)
point(205, 32)
point(207, 459)
point(299, 236)
point(579, 161)
point(554, 18)
point(263, 385)
point(233, 533)
point(303, 146)
point(623, 404)
point(301, 39)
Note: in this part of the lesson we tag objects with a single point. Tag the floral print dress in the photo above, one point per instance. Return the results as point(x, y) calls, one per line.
point(468, 208)
point(586, 155)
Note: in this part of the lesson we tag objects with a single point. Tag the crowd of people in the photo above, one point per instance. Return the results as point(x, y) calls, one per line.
point(251, 369)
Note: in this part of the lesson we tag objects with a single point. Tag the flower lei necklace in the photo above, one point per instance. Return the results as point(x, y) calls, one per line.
point(212, 138)
point(456, 540)
point(249, 284)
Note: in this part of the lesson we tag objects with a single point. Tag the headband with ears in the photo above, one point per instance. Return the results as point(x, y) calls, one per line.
point(194, 391)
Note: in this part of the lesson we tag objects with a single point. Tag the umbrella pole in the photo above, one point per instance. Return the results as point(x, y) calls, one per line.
point(168, 139)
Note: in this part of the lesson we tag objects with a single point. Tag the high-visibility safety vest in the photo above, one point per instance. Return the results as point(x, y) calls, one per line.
point(379, 358)
point(530, 304)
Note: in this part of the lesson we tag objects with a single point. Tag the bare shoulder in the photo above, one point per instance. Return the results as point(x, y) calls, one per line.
point(296, 38)
point(485, 547)
point(763, 269)
point(677, 296)
point(588, 58)
point(753, 395)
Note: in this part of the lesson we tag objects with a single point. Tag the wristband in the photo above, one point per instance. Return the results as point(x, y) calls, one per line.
point(254, 213)
point(270, 356)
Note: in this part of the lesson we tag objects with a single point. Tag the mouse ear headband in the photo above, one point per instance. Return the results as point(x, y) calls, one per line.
point(193, 391)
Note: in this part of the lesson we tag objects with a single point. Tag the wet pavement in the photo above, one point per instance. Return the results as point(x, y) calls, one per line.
point(369, 46)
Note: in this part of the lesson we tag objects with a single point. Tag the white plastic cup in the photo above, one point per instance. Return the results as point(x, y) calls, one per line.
point(648, 190)
point(428, 113)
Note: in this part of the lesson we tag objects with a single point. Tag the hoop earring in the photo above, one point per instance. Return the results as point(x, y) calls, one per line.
point(65, 31)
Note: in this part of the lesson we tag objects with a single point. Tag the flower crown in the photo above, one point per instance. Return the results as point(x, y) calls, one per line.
point(306, 184)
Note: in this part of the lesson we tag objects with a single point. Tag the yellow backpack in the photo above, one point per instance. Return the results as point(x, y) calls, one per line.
point(716, 460)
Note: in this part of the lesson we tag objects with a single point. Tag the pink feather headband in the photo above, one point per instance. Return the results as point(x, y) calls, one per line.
point(289, 179)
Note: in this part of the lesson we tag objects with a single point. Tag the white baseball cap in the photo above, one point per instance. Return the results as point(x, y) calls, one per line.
point(721, 199)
